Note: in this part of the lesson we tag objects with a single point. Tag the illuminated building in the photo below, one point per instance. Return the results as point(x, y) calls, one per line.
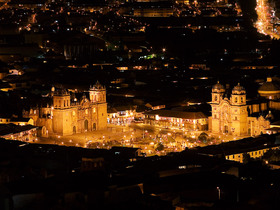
point(27, 4)
point(269, 90)
point(121, 114)
point(230, 114)
point(18, 132)
point(179, 119)
point(16, 120)
point(237, 150)
point(66, 117)
point(153, 9)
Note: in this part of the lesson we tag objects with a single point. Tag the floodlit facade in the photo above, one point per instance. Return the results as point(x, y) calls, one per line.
point(230, 115)
point(269, 90)
point(66, 117)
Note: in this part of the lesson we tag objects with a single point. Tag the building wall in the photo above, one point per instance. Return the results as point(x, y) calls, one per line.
point(147, 12)
point(62, 121)
point(253, 154)
point(66, 118)
point(101, 116)
point(231, 115)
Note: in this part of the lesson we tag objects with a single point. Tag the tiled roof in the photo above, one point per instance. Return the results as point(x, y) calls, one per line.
point(6, 129)
point(177, 114)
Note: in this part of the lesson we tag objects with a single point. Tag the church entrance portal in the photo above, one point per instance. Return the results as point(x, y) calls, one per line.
point(74, 130)
point(226, 129)
point(86, 125)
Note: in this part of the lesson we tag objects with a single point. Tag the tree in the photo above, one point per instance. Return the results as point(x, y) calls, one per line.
point(272, 155)
point(246, 158)
point(203, 137)
point(160, 147)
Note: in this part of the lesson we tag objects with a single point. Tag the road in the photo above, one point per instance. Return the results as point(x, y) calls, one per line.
point(4, 4)
point(266, 19)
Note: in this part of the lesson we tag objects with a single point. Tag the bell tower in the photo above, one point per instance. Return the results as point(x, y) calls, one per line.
point(61, 99)
point(239, 111)
point(62, 117)
point(97, 96)
point(238, 96)
point(218, 91)
point(97, 93)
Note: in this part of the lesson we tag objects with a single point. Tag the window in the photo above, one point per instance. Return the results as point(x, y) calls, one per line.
point(241, 99)
point(235, 99)
point(235, 118)
point(216, 98)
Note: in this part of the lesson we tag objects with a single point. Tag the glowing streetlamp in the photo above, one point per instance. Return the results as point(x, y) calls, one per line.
point(219, 193)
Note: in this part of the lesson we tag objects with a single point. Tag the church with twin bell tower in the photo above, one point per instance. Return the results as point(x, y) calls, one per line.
point(230, 115)
point(66, 116)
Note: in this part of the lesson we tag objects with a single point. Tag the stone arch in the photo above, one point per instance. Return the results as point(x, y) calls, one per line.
point(86, 125)
point(225, 129)
point(74, 130)
point(44, 131)
point(31, 121)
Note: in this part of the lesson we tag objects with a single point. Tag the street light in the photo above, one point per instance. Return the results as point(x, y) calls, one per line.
point(219, 193)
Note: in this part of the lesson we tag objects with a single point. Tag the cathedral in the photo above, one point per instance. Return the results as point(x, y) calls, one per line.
point(68, 116)
point(230, 113)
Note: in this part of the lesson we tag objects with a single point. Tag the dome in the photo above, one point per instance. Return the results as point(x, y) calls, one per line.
point(97, 86)
point(61, 92)
point(218, 87)
point(238, 87)
point(269, 86)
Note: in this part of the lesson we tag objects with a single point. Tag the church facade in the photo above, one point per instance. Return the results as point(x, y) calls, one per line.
point(67, 117)
point(230, 114)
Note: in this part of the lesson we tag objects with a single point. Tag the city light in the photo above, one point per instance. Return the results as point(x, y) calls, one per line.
point(266, 19)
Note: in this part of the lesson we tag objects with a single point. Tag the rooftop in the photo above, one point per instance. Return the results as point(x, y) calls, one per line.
point(6, 129)
point(177, 114)
point(241, 146)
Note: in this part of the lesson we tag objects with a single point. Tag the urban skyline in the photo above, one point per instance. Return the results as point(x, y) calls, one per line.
point(155, 104)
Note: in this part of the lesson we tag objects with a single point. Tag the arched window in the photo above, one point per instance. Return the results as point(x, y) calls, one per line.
point(241, 99)
point(216, 98)
point(235, 99)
